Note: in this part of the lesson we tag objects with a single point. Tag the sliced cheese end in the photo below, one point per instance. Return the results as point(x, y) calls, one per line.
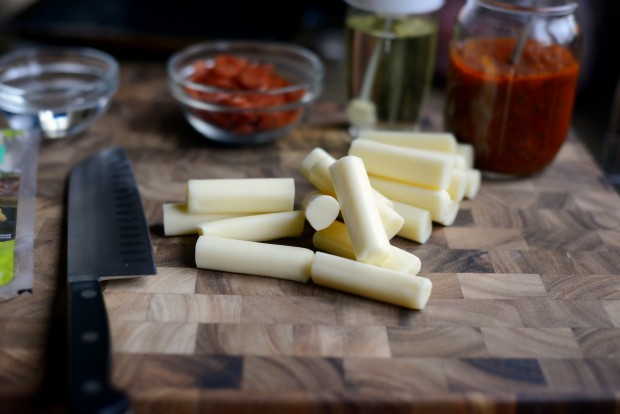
point(418, 225)
point(178, 221)
point(312, 158)
point(321, 210)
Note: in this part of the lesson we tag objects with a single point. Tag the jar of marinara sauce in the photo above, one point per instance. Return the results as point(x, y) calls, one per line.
point(512, 81)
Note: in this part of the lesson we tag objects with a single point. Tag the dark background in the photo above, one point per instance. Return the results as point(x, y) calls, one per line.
point(153, 29)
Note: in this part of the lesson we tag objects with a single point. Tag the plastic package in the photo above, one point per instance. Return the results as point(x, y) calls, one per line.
point(19, 153)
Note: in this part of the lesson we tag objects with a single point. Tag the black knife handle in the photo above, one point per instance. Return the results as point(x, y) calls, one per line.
point(89, 353)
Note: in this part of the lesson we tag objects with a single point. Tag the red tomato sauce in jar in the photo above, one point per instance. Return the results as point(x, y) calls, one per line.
point(516, 116)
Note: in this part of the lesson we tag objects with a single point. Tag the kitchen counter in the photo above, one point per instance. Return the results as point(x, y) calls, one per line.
point(524, 313)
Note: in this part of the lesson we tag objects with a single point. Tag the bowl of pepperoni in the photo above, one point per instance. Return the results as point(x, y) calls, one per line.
point(244, 92)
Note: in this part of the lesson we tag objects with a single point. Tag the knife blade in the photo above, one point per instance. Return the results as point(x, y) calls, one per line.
point(107, 237)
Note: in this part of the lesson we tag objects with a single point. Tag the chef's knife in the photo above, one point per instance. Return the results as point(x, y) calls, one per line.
point(107, 237)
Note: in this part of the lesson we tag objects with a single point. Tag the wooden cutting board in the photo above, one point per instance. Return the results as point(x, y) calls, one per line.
point(524, 312)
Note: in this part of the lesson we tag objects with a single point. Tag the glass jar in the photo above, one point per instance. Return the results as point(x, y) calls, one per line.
point(512, 82)
point(390, 59)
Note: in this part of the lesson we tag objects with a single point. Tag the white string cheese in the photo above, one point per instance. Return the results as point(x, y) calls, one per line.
point(321, 179)
point(450, 216)
point(437, 202)
point(474, 178)
point(359, 210)
point(259, 227)
point(422, 167)
point(178, 221)
point(241, 195)
point(254, 258)
point(320, 209)
point(434, 141)
point(370, 281)
point(458, 184)
point(335, 240)
point(418, 224)
point(467, 152)
point(312, 158)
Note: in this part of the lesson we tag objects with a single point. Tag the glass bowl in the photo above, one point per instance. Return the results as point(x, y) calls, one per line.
point(58, 90)
point(243, 92)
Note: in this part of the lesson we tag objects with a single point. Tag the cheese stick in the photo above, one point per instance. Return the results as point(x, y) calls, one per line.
point(312, 158)
point(451, 213)
point(259, 227)
point(178, 221)
point(322, 180)
point(254, 258)
point(437, 202)
point(418, 225)
point(474, 177)
point(434, 141)
point(359, 210)
point(241, 195)
point(458, 184)
point(431, 169)
point(370, 281)
point(467, 152)
point(335, 240)
point(320, 209)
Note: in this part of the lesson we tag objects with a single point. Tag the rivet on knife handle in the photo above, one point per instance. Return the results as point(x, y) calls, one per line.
point(89, 353)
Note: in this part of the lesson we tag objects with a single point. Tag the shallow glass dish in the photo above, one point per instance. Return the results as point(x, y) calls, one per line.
point(243, 92)
point(58, 90)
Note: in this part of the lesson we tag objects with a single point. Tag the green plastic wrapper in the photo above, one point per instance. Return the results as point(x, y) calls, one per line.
point(19, 152)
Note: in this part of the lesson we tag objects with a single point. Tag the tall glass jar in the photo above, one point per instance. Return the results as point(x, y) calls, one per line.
point(512, 82)
point(390, 59)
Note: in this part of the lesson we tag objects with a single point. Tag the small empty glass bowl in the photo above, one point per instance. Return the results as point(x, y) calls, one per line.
point(58, 90)
point(243, 92)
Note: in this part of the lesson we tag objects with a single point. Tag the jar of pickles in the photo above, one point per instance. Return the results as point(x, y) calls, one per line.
point(512, 82)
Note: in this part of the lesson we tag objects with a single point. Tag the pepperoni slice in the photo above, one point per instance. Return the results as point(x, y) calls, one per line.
point(230, 72)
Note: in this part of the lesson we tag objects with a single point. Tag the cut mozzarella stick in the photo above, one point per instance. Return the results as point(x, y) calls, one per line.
point(254, 258)
point(259, 227)
point(418, 224)
point(241, 195)
point(458, 184)
point(434, 141)
point(474, 177)
point(450, 215)
point(320, 209)
point(322, 181)
point(320, 177)
point(335, 240)
point(467, 152)
point(312, 158)
point(392, 221)
point(460, 161)
point(437, 202)
point(359, 210)
point(370, 281)
point(431, 169)
point(178, 221)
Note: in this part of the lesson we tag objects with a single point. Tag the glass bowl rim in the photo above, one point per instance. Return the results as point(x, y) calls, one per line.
point(228, 46)
point(111, 72)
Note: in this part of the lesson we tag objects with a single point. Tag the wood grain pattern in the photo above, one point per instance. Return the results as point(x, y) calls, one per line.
point(524, 314)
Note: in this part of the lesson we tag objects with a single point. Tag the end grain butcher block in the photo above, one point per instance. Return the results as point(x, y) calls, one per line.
point(524, 312)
